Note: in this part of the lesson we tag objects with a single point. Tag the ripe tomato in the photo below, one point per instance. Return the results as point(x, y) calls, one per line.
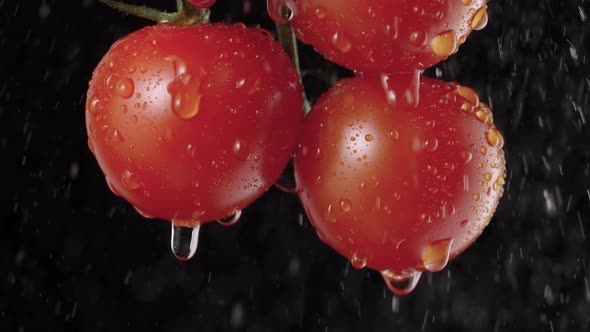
point(192, 124)
point(396, 188)
point(202, 3)
point(382, 35)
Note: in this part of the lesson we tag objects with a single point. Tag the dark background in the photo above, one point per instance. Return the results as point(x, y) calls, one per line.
point(73, 257)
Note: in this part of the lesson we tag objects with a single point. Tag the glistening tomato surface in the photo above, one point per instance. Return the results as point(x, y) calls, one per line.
point(191, 124)
point(396, 188)
point(383, 35)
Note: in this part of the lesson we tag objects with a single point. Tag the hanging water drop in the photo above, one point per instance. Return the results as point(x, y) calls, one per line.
point(436, 256)
point(401, 284)
point(358, 262)
point(280, 11)
point(232, 219)
point(184, 241)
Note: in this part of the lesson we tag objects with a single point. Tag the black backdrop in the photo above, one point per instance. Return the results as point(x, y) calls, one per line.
point(73, 257)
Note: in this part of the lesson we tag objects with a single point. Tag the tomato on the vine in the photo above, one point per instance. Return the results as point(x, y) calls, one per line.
point(192, 124)
point(382, 35)
point(397, 183)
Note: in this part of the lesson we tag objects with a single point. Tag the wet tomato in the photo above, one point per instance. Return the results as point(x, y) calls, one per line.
point(396, 187)
point(192, 124)
point(383, 35)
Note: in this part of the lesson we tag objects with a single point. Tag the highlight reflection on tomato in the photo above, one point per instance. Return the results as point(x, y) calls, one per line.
point(397, 188)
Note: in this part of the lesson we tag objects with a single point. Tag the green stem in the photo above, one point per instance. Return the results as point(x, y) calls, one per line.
point(185, 15)
point(289, 42)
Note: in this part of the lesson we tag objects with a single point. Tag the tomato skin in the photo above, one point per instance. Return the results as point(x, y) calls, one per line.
point(190, 124)
point(398, 188)
point(202, 3)
point(374, 36)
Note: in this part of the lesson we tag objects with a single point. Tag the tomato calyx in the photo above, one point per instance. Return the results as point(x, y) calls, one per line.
point(186, 14)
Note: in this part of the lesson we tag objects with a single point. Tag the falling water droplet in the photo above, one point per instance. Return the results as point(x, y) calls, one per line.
point(232, 219)
point(184, 241)
point(436, 256)
point(401, 284)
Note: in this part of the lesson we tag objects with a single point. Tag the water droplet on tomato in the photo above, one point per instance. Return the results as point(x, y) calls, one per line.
point(240, 150)
point(117, 136)
point(345, 205)
point(358, 262)
point(394, 135)
point(369, 137)
point(125, 88)
point(184, 241)
point(431, 145)
point(464, 223)
point(401, 284)
point(476, 197)
point(494, 137)
point(488, 176)
point(185, 90)
point(129, 180)
point(93, 105)
point(232, 219)
point(468, 94)
point(320, 12)
point(466, 2)
point(480, 19)
point(483, 150)
point(436, 256)
point(418, 38)
point(341, 42)
point(484, 116)
point(444, 44)
point(466, 156)
point(330, 214)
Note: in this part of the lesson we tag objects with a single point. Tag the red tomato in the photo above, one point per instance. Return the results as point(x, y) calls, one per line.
point(382, 35)
point(192, 124)
point(396, 188)
point(202, 3)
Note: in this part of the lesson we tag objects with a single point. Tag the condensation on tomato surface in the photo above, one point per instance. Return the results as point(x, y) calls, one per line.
point(169, 139)
point(385, 35)
point(399, 188)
